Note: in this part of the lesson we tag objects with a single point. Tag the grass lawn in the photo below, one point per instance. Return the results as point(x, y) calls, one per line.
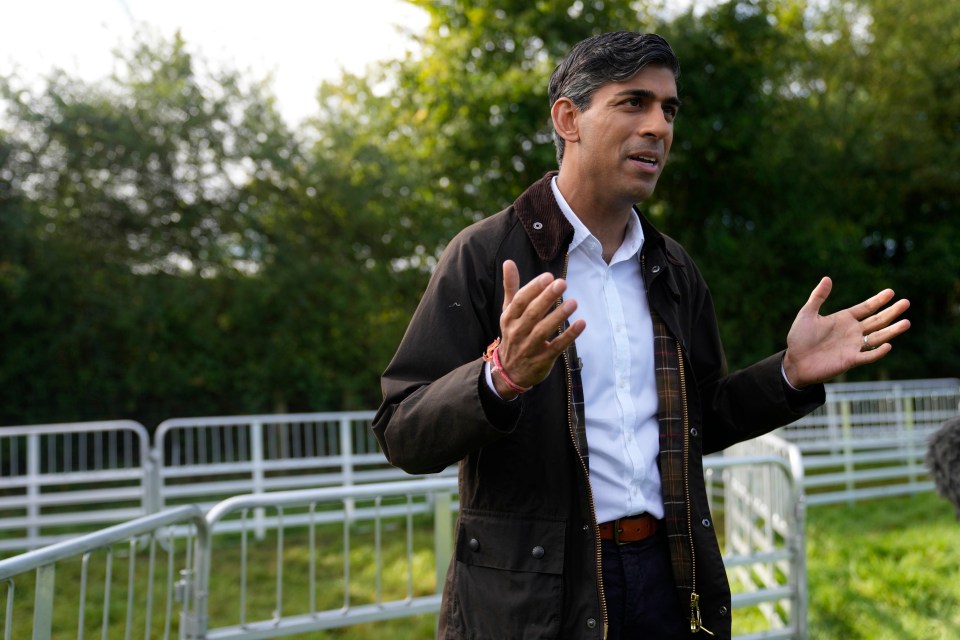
point(884, 569)
point(881, 569)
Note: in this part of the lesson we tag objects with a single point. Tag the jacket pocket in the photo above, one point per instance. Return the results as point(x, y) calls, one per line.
point(509, 576)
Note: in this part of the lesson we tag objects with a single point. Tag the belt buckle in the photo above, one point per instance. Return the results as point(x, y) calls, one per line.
point(617, 530)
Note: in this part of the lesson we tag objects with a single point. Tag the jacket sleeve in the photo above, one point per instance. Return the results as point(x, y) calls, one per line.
point(436, 405)
point(746, 403)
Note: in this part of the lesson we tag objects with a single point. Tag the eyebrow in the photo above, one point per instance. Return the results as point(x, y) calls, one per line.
point(646, 94)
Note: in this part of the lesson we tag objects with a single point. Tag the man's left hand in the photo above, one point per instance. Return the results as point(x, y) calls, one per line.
point(822, 347)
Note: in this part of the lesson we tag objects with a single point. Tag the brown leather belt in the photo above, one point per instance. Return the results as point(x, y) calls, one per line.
point(632, 529)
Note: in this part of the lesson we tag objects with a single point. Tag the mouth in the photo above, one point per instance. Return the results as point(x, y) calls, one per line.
point(646, 160)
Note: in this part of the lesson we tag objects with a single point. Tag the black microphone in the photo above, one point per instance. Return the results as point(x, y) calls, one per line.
point(943, 461)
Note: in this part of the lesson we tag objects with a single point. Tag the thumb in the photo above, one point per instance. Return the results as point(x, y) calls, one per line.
point(818, 296)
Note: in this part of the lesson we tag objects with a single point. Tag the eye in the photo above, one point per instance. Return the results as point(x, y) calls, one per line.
point(670, 112)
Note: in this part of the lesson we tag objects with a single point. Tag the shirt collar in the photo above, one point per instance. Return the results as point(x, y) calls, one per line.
point(632, 239)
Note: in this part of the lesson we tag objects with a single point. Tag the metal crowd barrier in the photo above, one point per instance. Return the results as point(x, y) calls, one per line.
point(871, 409)
point(381, 510)
point(206, 460)
point(395, 504)
point(57, 479)
point(764, 512)
point(310, 550)
point(867, 441)
point(153, 599)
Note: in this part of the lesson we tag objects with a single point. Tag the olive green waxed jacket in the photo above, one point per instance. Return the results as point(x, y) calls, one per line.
point(526, 559)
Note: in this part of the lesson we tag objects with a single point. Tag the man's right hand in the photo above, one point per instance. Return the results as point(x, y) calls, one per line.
point(529, 344)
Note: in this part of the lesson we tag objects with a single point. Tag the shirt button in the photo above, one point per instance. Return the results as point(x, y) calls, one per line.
point(591, 623)
point(474, 544)
point(537, 552)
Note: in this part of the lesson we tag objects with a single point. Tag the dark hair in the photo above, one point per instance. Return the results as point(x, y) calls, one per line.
point(604, 58)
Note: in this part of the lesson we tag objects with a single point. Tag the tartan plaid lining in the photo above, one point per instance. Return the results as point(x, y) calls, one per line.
point(673, 454)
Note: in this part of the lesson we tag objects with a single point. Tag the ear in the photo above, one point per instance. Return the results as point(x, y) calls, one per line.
point(566, 119)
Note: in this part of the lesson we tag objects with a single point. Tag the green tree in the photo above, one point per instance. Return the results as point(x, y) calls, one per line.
point(892, 77)
point(127, 206)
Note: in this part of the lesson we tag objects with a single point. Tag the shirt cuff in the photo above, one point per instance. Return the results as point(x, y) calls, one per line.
point(786, 380)
point(488, 376)
point(805, 400)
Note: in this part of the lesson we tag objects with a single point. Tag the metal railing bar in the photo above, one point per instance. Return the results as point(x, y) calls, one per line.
point(864, 475)
point(8, 622)
point(835, 497)
point(328, 620)
point(754, 598)
point(67, 497)
point(312, 569)
point(84, 577)
point(62, 550)
point(278, 609)
point(243, 568)
point(332, 494)
point(151, 576)
point(107, 579)
point(81, 518)
point(740, 560)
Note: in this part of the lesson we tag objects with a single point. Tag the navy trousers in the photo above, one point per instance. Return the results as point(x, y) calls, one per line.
point(642, 601)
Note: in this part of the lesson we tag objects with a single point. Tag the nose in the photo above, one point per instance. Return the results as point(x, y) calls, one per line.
point(655, 125)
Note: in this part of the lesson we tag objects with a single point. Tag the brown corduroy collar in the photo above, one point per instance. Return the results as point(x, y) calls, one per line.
point(547, 227)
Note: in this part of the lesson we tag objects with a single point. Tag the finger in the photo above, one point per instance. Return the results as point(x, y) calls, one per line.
point(887, 334)
point(511, 281)
point(540, 306)
point(560, 344)
point(527, 294)
point(818, 296)
point(872, 304)
point(885, 317)
point(871, 356)
point(547, 327)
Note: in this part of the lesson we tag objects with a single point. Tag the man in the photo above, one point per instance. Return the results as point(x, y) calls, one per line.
point(566, 354)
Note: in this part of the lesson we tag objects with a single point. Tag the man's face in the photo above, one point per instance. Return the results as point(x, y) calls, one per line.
point(625, 135)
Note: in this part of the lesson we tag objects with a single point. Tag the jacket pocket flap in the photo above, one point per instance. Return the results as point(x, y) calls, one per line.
point(511, 542)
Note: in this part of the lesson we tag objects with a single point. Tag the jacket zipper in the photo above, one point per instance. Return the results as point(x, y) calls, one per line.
point(583, 467)
point(696, 624)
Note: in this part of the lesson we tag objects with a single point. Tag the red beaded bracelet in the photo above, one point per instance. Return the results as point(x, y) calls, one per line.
point(492, 354)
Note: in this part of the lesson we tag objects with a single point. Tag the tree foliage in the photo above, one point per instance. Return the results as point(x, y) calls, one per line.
point(169, 246)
